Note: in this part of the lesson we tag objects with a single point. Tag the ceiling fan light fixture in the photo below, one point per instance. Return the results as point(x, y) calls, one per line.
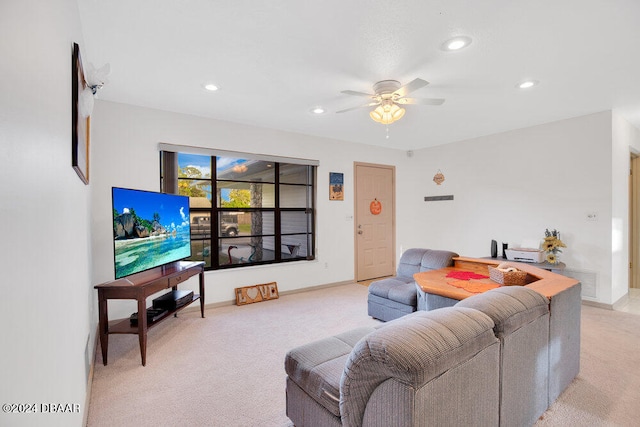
point(456, 43)
point(397, 113)
point(387, 113)
point(377, 114)
point(388, 99)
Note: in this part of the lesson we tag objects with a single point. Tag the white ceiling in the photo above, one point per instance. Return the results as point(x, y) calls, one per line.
point(275, 60)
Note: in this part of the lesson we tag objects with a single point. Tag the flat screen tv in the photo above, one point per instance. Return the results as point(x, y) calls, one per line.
point(149, 230)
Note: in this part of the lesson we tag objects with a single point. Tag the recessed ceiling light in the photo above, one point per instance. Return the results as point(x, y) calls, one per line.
point(456, 43)
point(211, 87)
point(317, 110)
point(527, 84)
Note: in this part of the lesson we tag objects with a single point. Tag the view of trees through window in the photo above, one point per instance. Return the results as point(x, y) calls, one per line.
point(246, 211)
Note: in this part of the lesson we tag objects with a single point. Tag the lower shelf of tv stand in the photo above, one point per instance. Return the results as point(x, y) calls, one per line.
point(124, 326)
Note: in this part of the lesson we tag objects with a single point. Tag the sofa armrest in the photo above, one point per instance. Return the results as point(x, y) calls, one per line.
point(413, 349)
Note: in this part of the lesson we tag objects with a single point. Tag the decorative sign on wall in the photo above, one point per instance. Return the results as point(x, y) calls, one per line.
point(256, 293)
point(438, 198)
point(438, 178)
point(336, 186)
point(375, 207)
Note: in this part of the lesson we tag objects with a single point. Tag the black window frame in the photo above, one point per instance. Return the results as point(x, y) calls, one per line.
point(169, 178)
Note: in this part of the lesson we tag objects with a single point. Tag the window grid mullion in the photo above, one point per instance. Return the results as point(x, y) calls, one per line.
point(277, 218)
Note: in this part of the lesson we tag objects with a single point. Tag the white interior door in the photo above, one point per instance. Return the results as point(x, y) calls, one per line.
point(374, 221)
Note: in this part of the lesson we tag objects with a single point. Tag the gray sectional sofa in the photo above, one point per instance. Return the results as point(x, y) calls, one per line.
point(397, 296)
point(485, 361)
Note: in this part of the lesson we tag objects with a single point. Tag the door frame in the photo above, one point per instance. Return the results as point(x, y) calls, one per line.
point(634, 220)
point(392, 168)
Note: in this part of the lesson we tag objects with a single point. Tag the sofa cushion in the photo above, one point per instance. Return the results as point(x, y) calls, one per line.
point(316, 367)
point(405, 294)
point(510, 307)
point(385, 309)
point(400, 289)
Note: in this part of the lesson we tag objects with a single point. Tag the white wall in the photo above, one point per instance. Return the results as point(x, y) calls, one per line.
point(125, 154)
point(46, 283)
point(509, 187)
point(512, 186)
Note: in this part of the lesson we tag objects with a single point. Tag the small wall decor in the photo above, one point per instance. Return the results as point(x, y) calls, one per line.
point(256, 293)
point(438, 198)
point(375, 207)
point(80, 118)
point(336, 186)
point(438, 178)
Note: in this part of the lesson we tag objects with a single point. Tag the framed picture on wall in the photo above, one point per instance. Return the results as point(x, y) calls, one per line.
point(80, 119)
point(336, 186)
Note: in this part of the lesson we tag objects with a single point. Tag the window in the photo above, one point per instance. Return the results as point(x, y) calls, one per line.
point(245, 209)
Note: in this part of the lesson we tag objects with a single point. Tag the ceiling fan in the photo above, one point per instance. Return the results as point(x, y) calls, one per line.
point(389, 97)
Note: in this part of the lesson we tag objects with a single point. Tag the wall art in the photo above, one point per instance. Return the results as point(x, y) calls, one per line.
point(80, 122)
point(336, 186)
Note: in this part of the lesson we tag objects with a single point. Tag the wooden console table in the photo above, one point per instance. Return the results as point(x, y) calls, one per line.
point(139, 286)
point(554, 268)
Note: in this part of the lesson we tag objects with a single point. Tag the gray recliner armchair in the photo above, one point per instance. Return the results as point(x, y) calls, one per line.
point(395, 297)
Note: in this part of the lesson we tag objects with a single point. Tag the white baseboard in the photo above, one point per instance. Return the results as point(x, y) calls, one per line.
point(597, 304)
point(87, 399)
point(196, 306)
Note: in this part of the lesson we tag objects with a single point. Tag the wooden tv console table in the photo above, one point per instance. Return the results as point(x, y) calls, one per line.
point(139, 286)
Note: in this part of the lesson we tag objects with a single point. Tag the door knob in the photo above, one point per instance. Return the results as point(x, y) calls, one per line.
point(359, 231)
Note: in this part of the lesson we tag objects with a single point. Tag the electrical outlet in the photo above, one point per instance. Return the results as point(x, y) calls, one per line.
point(592, 216)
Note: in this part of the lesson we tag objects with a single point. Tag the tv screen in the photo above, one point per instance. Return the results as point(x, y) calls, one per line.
point(149, 229)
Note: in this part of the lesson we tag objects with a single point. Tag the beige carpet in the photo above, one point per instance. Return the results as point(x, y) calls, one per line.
point(228, 369)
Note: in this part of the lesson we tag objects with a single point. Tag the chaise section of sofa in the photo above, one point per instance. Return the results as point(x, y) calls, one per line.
point(426, 368)
point(397, 296)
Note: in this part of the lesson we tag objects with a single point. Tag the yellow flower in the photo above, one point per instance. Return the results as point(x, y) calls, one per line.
point(560, 244)
point(547, 245)
point(551, 258)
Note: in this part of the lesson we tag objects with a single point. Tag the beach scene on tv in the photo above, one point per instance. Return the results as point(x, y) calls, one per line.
point(149, 229)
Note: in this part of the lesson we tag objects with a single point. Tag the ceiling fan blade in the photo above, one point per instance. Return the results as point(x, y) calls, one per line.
point(371, 104)
point(421, 101)
point(411, 86)
point(355, 93)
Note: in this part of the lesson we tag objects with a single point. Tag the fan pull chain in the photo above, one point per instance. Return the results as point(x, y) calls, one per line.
point(387, 132)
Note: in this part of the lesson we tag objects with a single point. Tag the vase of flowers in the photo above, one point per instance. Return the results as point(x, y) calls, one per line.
point(551, 245)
